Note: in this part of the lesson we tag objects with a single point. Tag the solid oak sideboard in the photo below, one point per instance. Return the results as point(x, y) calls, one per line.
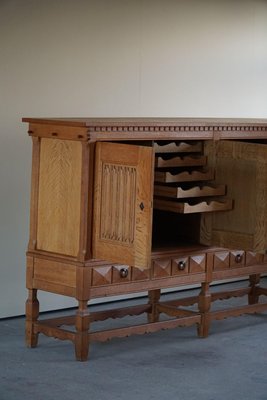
point(122, 206)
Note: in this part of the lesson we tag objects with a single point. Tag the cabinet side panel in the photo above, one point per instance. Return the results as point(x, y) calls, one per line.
point(34, 192)
point(59, 196)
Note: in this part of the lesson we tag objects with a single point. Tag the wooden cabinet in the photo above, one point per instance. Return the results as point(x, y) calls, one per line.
point(120, 206)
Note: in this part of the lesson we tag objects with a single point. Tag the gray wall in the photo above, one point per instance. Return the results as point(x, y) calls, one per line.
point(115, 58)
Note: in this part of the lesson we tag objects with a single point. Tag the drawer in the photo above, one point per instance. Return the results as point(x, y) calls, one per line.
point(184, 176)
point(254, 258)
point(197, 263)
point(182, 191)
point(237, 258)
point(113, 274)
point(102, 275)
point(193, 206)
point(221, 260)
point(181, 265)
point(162, 268)
point(177, 161)
point(124, 273)
point(121, 274)
point(228, 259)
point(178, 147)
point(139, 274)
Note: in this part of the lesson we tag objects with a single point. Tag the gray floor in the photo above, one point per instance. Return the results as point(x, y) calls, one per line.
point(231, 364)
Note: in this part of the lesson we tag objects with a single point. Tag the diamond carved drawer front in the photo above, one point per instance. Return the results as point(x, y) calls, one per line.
point(102, 276)
point(253, 258)
point(197, 263)
point(121, 273)
point(140, 274)
point(162, 268)
point(237, 258)
point(180, 266)
point(221, 260)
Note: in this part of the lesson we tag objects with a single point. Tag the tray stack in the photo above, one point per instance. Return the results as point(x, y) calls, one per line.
point(183, 182)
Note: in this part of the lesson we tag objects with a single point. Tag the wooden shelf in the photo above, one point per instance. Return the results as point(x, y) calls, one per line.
point(184, 161)
point(194, 191)
point(187, 208)
point(178, 147)
point(184, 176)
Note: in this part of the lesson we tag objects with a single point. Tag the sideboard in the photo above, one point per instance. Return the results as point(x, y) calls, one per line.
point(130, 205)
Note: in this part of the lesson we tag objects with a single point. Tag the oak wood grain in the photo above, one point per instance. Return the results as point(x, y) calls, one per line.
point(123, 206)
point(67, 212)
point(243, 166)
point(59, 196)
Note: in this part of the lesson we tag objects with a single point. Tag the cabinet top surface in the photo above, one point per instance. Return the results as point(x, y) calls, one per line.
point(146, 122)
point(100, 129)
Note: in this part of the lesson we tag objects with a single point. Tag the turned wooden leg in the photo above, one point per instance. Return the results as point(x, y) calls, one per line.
point(32, 313)
point(153, 299)
point(82, 332)
point(254, 281)
point(204, 304)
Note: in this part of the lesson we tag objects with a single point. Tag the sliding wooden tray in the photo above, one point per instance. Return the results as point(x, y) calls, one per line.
point(194, 191)
point(187, 208)
point(178, 147)
point(185, 161)
point(184, 176)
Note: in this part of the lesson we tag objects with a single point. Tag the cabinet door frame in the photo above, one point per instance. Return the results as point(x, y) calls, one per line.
point(123, 203)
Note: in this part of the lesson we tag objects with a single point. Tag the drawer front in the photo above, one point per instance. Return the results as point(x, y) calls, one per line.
point(181, 265)
point(121, 274)
point(113, 274)
point(197, 263)
point(162, 268)
point(237, 258)
point(101, 275)
point(139, 274)
point(254, 258)
point(228, 259)
point(223, 260)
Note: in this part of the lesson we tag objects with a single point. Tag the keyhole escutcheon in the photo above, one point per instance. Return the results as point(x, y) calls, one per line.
point(141, 205)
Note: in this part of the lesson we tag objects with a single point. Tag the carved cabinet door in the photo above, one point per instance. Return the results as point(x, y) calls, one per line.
point(243, 167)
point(123, 192)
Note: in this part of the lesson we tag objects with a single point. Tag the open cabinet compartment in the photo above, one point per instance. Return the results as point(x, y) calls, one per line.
point(184, 190)
point(130, 195)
